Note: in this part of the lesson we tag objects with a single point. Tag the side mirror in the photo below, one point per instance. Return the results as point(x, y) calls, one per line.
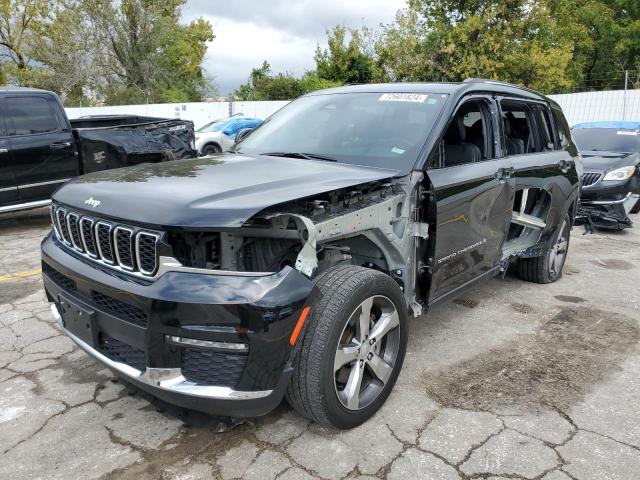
point(243, 133)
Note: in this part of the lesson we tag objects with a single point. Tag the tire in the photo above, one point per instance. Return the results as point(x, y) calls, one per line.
point(548, 268)
point(315, 388)
point(211, 149)
point(636, 207)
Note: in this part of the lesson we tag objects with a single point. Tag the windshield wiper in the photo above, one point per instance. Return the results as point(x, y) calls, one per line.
point(306, 156)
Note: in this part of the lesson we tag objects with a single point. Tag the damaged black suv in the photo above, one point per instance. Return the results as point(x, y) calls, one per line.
point(289, 267)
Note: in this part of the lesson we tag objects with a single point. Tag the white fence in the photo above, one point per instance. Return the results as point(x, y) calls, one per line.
point(593, 106)
point(199, 113)
point(578, 107)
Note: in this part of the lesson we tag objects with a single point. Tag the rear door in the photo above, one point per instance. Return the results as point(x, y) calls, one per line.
point(41, 145)
point(474, 198)
point(8, 185)
point(542, 170)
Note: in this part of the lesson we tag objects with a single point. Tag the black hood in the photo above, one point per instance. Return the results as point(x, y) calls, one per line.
point(607, 161)
point(219, 191)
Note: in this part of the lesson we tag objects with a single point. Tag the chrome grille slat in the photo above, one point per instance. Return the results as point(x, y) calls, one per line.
point(590, 178)
point(129, 249)
point(122, 247)
point(104, 242)
point(74, 231)
point(88, 238)
point(146, 252)
point(61, 218)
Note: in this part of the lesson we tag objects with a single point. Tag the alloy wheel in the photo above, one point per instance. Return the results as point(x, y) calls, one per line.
point(367, 352)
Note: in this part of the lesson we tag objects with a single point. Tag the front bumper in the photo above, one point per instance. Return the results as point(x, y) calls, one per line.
point(257, 312)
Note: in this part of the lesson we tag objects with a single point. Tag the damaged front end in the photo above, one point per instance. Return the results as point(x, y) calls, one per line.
point(368, 225)
point(606, 214)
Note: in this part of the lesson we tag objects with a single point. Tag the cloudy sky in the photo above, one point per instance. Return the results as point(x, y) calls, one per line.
point(283, 32)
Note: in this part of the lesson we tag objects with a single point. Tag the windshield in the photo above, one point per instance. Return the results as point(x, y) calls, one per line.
point(606, 139)
point(214, 126)
point(385, 130)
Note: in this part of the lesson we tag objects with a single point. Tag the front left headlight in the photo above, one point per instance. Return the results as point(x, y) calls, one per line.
point(619, 174)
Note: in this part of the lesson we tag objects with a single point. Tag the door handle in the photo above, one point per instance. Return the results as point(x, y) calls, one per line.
point(59, 145)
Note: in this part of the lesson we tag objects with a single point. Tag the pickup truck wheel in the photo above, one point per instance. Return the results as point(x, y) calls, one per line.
point(548, 268)
point(353, 347)
point(211, 149)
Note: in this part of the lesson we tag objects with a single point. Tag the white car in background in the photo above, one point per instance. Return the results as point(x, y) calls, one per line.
point(220, 135)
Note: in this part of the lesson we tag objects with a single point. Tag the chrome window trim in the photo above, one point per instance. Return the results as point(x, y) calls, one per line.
point(117, 253)
point(148, 273)
point(42, 184)
point(84, 240)
point(73, 243)
point(24, 206)
point(98, 247)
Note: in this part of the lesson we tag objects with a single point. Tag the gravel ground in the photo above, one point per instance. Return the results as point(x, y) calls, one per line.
point(513, 380)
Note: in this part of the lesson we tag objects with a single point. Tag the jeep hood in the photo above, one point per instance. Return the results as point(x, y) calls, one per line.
point(218, 191)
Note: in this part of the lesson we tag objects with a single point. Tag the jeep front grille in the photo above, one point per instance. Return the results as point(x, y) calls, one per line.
point(123, 247)
point(589, 178)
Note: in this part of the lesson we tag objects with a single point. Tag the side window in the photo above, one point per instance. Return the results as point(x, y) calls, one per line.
point(520, 134)
point(545, 128)
point(31, 115)
point(467, 138)
point(564, 132)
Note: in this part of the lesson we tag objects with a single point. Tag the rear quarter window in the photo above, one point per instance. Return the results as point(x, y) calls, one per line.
point(32, 115)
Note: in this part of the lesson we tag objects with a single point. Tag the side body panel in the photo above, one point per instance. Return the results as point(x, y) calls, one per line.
point(42, 161)
point(473, 202)
point(473, 209)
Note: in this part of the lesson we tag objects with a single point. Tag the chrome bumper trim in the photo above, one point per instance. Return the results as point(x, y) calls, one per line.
point(168, 379)
point(606, 202)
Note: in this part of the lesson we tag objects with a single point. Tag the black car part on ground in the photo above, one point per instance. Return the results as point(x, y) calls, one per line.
point(605, 203)
point(602, 217)
point(108, 142)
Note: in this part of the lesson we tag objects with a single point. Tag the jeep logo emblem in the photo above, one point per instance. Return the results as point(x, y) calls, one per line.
point(92, 202)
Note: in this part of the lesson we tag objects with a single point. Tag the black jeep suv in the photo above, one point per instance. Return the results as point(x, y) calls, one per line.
point(289, 266)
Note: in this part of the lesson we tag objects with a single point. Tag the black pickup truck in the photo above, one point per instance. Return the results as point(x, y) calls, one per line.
point(40, 148)
point(290, 266)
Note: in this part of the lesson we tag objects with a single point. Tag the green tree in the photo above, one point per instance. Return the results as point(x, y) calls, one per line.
point(145, 53)
point(449, 40)
point(263, 85)
point(343, 61)
point(606, 39)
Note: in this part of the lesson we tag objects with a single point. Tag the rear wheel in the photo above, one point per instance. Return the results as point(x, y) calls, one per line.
point(353, 348)
point(548, 268)
point(211, 149)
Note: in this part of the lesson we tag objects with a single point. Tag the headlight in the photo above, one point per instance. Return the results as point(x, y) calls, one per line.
point(619, 174)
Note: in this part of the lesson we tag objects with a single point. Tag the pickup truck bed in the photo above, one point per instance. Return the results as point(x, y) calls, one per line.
point(40, 148)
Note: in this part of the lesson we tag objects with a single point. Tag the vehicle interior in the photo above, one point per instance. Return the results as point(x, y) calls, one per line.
point(465, 140)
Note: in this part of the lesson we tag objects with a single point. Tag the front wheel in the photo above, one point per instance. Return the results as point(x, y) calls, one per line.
point(353, 348)
point(211, 149)
point(548, 268)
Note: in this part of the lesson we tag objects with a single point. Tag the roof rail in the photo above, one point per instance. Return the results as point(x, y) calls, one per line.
point(499, 82)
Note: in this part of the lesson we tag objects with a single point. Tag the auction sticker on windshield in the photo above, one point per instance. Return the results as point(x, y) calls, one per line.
point(403, 97)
